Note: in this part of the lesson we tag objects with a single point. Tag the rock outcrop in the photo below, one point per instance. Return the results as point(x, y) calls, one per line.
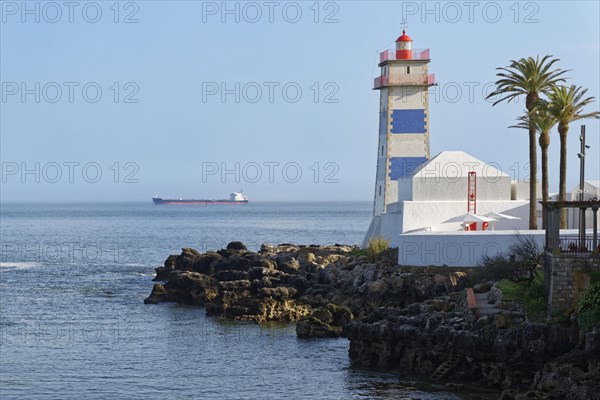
point(535, 360)
point(286, 282)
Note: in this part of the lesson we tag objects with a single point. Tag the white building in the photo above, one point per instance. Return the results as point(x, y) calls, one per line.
point(434, 199)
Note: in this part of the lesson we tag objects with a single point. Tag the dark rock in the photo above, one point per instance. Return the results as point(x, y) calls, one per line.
point(419, 342)
point(189, 287)
point(323, 315)
point(234, 286)
point(483, 322)
point(186, 259)
point(483, 287)
point(291, 266)
point(159, 293)
point(231, 275)
point(311, 327)
point(257, 273)
point(341, 314)
point(162, 274)
point(234, 262)
point(171, 261)
point(300, 283)
point(236, 246)
point(278, 293)
point(205, 263)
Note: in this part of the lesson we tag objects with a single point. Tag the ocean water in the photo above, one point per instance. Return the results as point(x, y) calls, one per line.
point(72, 320)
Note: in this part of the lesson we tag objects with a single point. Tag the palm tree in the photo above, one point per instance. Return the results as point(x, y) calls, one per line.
point(566, 105)
point(544, 122)
point(529, 77)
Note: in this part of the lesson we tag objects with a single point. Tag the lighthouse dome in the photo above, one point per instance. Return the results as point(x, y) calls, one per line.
point(404, 37)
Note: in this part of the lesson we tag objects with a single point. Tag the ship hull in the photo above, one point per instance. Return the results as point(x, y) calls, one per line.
point(203, 202)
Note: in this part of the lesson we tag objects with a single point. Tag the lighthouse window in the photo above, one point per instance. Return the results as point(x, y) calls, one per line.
point(408, 70)
point(380, 190)
point(381, 150)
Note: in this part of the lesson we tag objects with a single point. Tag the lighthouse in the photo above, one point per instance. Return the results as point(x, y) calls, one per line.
point(403, 134)
point(420, 201)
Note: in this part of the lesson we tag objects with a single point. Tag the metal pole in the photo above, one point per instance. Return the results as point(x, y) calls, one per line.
point(582, 186)
point(595, 234)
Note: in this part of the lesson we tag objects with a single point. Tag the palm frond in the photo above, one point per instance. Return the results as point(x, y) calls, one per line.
point(526, 76)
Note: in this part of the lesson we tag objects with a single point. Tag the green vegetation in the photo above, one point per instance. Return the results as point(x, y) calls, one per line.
point(594, 277)
point(587, 320)
point(591, 299)
point(589, 308)
point(375, 247)
point(528, 293)
point(511, 291)
point(357, 252)
point(518, 265)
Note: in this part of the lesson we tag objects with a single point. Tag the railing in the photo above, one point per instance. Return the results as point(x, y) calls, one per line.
point(417, 54)
point(574, 244)
point(408, 79)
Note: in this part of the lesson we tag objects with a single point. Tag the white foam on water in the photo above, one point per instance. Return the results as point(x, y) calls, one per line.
point(19, 265)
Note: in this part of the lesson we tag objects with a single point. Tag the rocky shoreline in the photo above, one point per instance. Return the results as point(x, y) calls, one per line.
point(413, 319)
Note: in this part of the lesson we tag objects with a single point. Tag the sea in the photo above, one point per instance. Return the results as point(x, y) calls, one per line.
point(73, 324)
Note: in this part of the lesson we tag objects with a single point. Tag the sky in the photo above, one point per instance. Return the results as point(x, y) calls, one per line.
point(107, 101)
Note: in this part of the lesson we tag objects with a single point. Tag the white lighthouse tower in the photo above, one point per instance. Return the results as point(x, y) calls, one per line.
point(403, 122)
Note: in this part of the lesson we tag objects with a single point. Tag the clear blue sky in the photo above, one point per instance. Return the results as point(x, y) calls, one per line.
point(177, 48)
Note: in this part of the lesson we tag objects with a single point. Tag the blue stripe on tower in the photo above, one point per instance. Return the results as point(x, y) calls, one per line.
point(408, 121)
point(404, 167)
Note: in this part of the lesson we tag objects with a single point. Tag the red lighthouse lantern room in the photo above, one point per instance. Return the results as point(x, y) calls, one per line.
point(404, 47)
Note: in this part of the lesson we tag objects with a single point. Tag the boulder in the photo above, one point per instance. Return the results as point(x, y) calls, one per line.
point(291, 266)
point(189, 287)
point(205, 263)
point(186, 259)
point(162, 273)
point(311, 327)
point(159, 293)
point(237, 246)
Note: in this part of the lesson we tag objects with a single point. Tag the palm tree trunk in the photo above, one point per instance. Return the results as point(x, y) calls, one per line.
point(562, 186)
point(532, 177)
point(544, 183)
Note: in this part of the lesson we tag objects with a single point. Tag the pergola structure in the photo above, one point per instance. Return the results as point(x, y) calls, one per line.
point(580, 244)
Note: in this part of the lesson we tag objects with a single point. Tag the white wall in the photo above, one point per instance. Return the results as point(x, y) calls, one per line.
point(437, 215)
point(444, 188)
point(520, 190)
point(456, 249)
point(407, 97)
point(408, 145)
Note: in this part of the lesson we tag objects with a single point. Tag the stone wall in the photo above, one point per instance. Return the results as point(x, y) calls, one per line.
point(567, 277)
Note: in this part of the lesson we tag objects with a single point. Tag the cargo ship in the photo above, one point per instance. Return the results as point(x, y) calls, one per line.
point(234, 198)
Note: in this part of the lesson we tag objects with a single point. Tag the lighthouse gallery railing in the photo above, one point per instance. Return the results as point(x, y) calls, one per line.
point(417, 54)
